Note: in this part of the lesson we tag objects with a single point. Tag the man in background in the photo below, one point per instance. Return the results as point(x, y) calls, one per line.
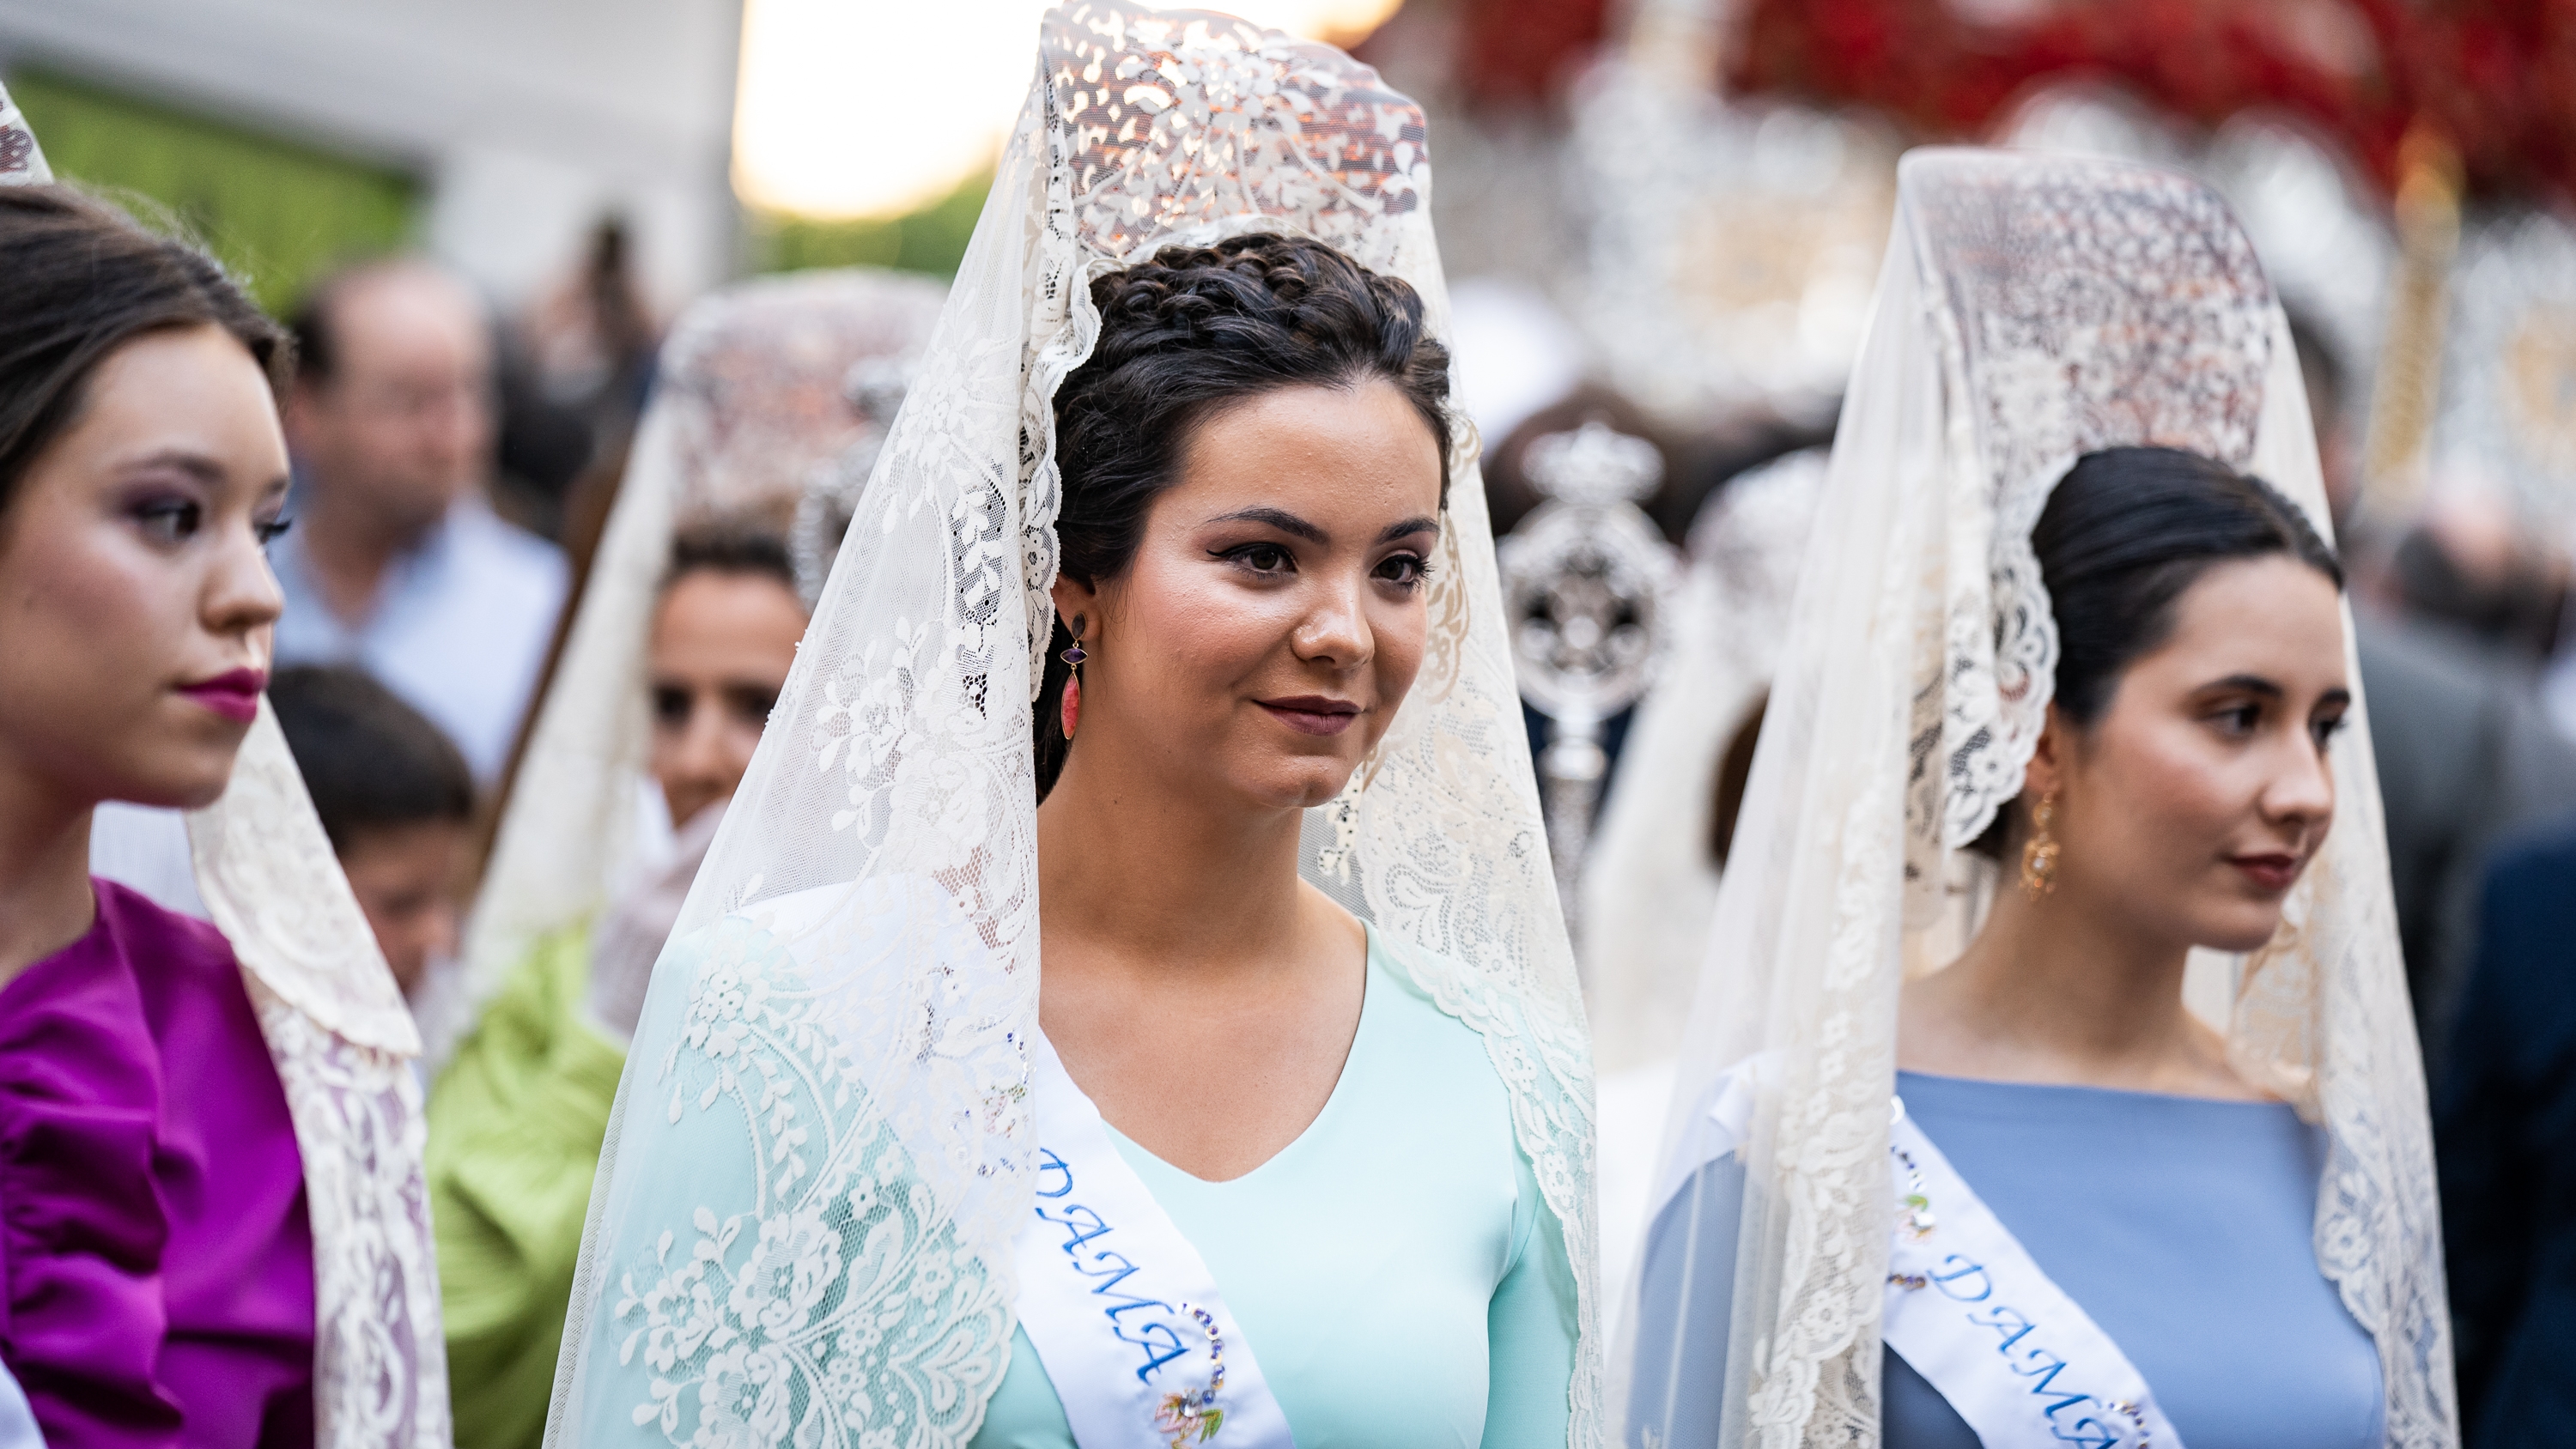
point(397, 562)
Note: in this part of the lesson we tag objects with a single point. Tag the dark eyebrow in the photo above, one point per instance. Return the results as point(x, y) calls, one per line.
point(2335, 696)
point(1407, 529)
point(196, 465)
point(1278, 518)
point(2250, 684)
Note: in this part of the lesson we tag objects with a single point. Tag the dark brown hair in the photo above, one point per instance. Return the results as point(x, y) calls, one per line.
point(370, 761)
point(1184, 336)
point(83, 279)
point(2124, 534)
point(732, 544)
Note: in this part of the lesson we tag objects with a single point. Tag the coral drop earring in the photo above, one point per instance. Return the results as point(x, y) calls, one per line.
point(1073, 656)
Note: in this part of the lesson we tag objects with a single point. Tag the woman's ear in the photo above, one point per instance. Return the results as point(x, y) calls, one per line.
point(1074, 599)
point(2048, 758)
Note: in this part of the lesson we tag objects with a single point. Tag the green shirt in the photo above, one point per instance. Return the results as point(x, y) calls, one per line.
point(515, 1125)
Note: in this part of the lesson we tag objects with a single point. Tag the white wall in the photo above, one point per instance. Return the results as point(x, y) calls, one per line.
point(527, 118)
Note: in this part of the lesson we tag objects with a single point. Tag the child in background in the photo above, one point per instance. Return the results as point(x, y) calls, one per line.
point(395, 797)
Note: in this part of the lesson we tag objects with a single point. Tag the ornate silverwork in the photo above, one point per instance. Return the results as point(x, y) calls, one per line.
point(1587, 593)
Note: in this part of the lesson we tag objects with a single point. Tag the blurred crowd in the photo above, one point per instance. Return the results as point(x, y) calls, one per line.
point(531, 551)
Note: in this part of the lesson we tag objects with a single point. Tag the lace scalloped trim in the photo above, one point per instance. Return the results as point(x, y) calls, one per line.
point(2001, 668)
point(1546, 1069)
point(380, 1359)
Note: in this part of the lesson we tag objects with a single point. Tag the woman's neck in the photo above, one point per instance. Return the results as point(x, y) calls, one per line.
point(1140, 870)
point(2053, 992)
point(1174, 925)
point(45, 898)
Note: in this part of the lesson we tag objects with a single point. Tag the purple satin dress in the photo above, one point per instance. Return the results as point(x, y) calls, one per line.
point(156, 1264)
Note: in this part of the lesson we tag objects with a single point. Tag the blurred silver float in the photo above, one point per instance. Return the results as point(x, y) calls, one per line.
point(1587, 594)
point(1733, 242)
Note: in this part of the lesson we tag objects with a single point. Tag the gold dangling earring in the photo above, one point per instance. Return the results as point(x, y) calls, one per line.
point(2039, 855)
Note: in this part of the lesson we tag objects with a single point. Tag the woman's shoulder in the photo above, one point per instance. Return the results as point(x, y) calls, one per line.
point(92, 1005)
point(2183, 1158)
point(1422, 988)
point(188, 979)
point(1423, 1042)
point(80, 1127)
point(144, 929)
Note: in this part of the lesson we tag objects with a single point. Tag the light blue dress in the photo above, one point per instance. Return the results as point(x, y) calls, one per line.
point(2184, 1226)
point(1394, 1269)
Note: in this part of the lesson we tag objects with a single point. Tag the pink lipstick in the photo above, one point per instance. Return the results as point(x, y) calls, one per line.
point(1312, 714)
point(234, 694)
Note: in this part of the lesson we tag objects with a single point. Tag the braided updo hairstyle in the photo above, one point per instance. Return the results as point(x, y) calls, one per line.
point(1184, 336)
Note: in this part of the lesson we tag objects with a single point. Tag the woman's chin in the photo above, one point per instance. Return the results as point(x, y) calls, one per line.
point(1300, 784)
point(2242, 928)
point(189, 778)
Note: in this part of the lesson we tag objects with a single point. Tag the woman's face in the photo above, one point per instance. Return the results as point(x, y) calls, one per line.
point(1275, 613)
point(135, 601)
point(2193, 804)
point(720, 650)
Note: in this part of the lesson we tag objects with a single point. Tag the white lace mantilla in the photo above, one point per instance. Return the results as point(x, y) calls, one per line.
point(343, 1044)
point(823, 1149)
point(2148, 323)
point(811, 1288)
point(752, 409)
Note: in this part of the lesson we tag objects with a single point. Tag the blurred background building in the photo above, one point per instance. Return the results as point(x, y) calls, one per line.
point(498, 133)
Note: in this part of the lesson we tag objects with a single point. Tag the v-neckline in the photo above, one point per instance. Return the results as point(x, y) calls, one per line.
point(1332, 1099)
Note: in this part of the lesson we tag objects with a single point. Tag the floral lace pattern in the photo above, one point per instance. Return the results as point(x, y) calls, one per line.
point(267, 874)
point(854, 978)
point(22, 163)
point(2148, 322)
point(380, 1360)
point(751, 407)
point(812, 1290)
point(343, 1043)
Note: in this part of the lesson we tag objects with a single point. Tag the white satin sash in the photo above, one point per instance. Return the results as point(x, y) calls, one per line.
point(1125, 1315)
point(1966, 1306)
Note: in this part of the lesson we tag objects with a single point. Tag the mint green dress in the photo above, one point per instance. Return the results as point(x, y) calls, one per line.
point(1395, 1270)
